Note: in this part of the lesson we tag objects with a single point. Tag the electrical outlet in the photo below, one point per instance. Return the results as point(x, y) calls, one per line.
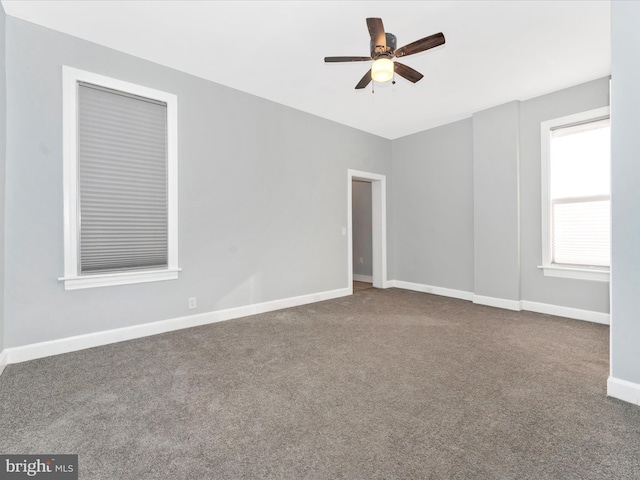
point(192, 303)
point(361, 260)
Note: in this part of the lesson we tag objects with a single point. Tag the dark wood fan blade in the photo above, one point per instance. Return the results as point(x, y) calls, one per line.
point(366, 80)
point(376, 30)
point(407, 72)
point(346, 59)
point(420, 45)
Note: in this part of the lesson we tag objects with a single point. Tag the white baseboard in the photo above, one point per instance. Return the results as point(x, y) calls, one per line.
point(362, 278)
point(80, 342)
point(568, 312)
point(546, 308)
point(497, 302)
point(623, 390)
point(515, 305)
point(4, 359)
point(444, 292)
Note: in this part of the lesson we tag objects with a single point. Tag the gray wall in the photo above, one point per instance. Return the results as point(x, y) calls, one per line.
point(362, 233)
point(3, 138)
point(583, 294)
point(432, 202)
point(467, 207)
point(496, 227)
point(262, 195)
point(263, 198)
point(625, 145)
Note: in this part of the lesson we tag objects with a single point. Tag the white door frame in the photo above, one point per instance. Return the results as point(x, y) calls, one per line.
point(378, 225)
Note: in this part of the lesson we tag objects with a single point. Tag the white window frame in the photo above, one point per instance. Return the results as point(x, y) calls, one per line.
point(549, 269)
point(72, 278)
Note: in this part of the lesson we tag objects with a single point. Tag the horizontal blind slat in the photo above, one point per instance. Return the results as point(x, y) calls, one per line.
point(581, 233)
point(122, 151)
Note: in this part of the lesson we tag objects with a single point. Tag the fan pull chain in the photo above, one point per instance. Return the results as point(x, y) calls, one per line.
point(393, 82)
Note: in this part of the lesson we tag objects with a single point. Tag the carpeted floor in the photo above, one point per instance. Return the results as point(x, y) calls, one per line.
point(384, 384)
point(357, 286)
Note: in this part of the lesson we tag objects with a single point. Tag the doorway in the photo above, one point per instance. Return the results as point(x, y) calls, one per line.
point(361, 239)
point(378, 261)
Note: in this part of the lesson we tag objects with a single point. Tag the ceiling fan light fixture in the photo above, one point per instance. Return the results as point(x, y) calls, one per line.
point(382, 70)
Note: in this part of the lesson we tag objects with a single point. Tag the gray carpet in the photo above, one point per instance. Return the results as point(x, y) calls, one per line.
point(357, 286)
point(383, 384)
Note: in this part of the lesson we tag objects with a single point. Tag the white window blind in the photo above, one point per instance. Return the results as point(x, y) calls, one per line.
point(580, 194)
point(581, 231)
point(122, 181)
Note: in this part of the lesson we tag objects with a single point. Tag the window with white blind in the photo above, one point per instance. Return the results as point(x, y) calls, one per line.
point(576, 196)
point(120, 182)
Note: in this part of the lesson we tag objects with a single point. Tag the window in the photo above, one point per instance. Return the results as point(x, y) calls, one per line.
point(576, 196)
point(120, 182)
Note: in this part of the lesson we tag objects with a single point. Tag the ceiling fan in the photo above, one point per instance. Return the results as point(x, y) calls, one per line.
point(383, 49)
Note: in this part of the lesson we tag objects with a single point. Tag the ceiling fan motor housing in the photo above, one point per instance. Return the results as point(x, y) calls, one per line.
point(391, 46)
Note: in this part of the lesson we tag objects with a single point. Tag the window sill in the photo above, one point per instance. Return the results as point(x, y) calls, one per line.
point(122, 278)
point(578, 273)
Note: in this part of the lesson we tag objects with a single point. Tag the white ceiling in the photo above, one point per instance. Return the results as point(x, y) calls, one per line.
point(495, 51)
